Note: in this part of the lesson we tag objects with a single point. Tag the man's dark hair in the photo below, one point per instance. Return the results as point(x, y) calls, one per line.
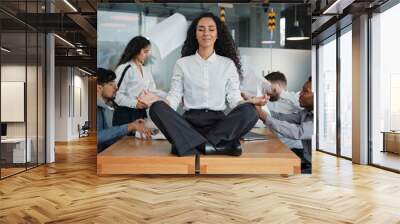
point(309, 79)
point(105, 76)
point(276, 77)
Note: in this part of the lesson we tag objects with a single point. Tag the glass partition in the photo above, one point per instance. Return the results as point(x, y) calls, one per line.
point(346, 93)
point(22, 64)
point(385, 89)
point(327, 96)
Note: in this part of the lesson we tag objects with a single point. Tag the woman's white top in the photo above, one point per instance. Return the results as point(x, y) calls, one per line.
point(132, 84)
point(204, 84)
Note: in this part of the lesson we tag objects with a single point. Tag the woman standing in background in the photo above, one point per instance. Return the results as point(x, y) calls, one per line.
point(132, 79)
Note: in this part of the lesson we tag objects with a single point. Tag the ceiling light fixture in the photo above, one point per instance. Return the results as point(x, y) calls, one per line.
point(337, 7)
point(296, 32)
point(70, 5)
point(5, 50)
point(64, 40)
point(268, 42)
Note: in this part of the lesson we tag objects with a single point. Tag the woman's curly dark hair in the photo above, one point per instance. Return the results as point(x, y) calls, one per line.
point(224, 45)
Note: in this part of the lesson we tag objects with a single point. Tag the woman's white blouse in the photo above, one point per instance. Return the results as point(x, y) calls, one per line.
point(204, 84)
point(132, 84)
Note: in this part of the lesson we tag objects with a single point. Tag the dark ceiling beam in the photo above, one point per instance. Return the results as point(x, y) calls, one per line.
point(86, 27)
point(202, 1)
point(49, 22)
point(91, 5)
point(81, 61)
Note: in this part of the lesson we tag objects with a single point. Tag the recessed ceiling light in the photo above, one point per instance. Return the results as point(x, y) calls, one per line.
point(84, 71)
point(337, 7)
point(5, 50)
point(298, 38)
point(128, 18)
point(64, 40)
point(70, 5)
point(268, 42)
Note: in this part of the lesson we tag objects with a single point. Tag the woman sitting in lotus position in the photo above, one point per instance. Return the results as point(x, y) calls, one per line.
point(204, 79)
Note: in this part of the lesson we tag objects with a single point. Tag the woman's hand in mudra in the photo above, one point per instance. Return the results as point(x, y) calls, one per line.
point(148, 98)
point(258, 100)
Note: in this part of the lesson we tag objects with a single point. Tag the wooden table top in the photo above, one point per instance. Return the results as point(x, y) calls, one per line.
point(130, 146)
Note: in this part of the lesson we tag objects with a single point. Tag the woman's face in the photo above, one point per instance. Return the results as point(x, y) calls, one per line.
point(206, 32)
point(144, 54)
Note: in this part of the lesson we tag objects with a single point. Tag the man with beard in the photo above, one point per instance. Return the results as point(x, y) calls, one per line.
point(281, 100)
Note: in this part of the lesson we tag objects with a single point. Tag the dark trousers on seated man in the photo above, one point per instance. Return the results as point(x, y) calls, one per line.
point(189, 133)
point(305, 157)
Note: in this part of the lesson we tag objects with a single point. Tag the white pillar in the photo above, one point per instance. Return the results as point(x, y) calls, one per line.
point(50, 99)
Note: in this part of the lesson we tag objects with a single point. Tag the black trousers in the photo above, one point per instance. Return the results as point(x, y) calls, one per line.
point(187, 133)
point(125, 115)
point(306, 165)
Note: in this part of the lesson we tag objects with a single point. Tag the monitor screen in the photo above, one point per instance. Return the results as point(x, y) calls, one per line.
point(3, 129)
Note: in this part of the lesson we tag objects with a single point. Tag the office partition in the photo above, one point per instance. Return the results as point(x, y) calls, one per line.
point(22, 66)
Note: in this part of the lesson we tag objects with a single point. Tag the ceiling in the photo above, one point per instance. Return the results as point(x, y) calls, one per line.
point(76, 22)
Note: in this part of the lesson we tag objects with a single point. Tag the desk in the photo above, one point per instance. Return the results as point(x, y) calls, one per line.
point(391, 141)
point(13, 150)
point(135, 156)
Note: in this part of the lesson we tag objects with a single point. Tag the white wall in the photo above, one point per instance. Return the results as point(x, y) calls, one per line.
point(67, 115)
point(79, 117)
point(33, 126)
point(62, 82)
point(16, 73)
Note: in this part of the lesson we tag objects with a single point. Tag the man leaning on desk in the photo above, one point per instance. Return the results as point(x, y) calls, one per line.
point(106, 133)
point(297, 125)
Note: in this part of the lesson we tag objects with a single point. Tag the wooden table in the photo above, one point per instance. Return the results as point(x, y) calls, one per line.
point(391, 141)
point(134, 156)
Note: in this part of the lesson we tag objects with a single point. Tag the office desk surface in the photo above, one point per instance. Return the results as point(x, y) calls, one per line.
point(135, 156)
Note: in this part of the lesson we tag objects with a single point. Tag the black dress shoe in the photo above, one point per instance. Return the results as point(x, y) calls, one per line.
point(230, 149)
point(306, 168)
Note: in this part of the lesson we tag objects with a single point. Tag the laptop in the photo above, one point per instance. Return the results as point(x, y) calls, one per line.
point(252, 136)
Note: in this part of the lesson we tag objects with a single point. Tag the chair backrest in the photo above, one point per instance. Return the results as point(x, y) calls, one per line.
point(86, 125)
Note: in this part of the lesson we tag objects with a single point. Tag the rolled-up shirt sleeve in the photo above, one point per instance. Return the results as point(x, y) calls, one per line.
point(300, 131)
point(291, 118)
point(232, 86)
point(111, 134)
point(107, 136)
point(175, 94)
